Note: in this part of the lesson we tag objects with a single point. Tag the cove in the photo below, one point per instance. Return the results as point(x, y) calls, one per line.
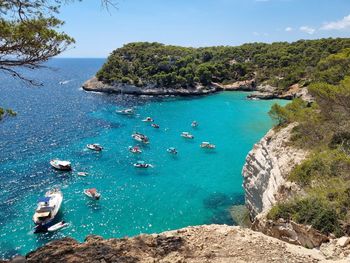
point(195, 187)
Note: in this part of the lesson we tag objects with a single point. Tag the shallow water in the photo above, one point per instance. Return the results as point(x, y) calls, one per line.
point(195, 187)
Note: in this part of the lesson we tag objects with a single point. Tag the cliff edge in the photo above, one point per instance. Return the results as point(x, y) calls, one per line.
point(211, 243)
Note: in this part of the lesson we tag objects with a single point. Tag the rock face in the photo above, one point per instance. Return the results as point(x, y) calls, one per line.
point(265, 171)
point(267, 92)
point(94, 84)
point(289, 231)
point(266, 168)
point(212, 243)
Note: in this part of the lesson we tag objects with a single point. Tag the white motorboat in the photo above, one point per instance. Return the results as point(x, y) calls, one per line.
point(187, 135)
point(140, 137)
point(207, 145)
point(61, 165)
point(142, 164)
point(194, 124)
point(48, 207)
point(83, 174)
point(148, 119)
point(95, 147)
point(156, 126)
point(57, 226)
point(126, 112)
point(135, 149)
point(171, 150)
point(92, 193)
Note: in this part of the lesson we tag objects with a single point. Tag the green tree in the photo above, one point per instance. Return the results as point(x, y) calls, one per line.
point(30, 34)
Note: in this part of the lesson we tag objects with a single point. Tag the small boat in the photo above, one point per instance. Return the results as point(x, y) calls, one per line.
point(61, 165)
point(83, 174)
point(148, 119)
point(187, 135)
point(140, 137)
point(92, 193)
point(125, 112)
point(95, 147)
point(207, 145)
point(171, 150)
point(194, 124)
point(57, 226)
point(156, 126)
point(135, 149)
point(47, 208)
point(142, 164)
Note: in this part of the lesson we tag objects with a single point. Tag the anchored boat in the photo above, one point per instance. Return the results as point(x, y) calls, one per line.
point(194, 124)
point(95, 147)
point(48, 207)
point(148, 119)
point(140, 137)
point(125, 112)
point(61, 165)
point(135, 149)
point(142, 164)
point(187, 135)
point(156, 126)
point(171, 150)
point(92, 193)
point(207, 145)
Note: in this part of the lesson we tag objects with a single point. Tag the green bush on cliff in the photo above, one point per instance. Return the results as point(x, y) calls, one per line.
point(309, 211)
point(280, 64)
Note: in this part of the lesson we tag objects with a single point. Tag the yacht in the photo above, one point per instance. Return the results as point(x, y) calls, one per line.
point(48, 207)
point(95, 147)
point(61, 165)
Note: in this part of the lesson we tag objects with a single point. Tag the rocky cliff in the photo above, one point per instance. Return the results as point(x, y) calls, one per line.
point(213, 243)
point(266, 168)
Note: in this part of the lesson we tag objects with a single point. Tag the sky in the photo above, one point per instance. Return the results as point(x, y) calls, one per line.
point(200, 23)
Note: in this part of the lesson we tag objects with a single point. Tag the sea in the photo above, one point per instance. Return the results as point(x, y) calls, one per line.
point(58, 119)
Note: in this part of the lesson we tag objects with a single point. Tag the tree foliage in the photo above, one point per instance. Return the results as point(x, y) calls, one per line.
point(280, 64)
point(30, 34)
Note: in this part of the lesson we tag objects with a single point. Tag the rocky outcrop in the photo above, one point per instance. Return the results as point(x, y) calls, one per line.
point(267, 92)
point(266, 169)
point(212, 243)
point(94, 84)
point(245, 85)
point(289, 231)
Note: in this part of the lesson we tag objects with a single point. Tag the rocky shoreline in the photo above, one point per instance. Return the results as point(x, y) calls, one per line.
point(263, 92)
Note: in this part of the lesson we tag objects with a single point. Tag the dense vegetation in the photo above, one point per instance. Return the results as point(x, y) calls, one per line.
point(324, 129)
point(280, 64)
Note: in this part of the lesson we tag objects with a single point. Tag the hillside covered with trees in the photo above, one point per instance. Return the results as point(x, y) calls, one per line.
point(279, 64)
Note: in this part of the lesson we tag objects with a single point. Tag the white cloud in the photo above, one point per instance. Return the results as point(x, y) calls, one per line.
point(337, 25)
point(307, 29)
point(288, 29)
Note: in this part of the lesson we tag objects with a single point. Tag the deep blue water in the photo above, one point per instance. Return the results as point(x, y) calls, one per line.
point(195, 187)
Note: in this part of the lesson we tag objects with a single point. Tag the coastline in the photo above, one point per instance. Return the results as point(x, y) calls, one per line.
point(263, 92)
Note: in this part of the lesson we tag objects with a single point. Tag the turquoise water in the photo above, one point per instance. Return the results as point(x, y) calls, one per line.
point(195, 187)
